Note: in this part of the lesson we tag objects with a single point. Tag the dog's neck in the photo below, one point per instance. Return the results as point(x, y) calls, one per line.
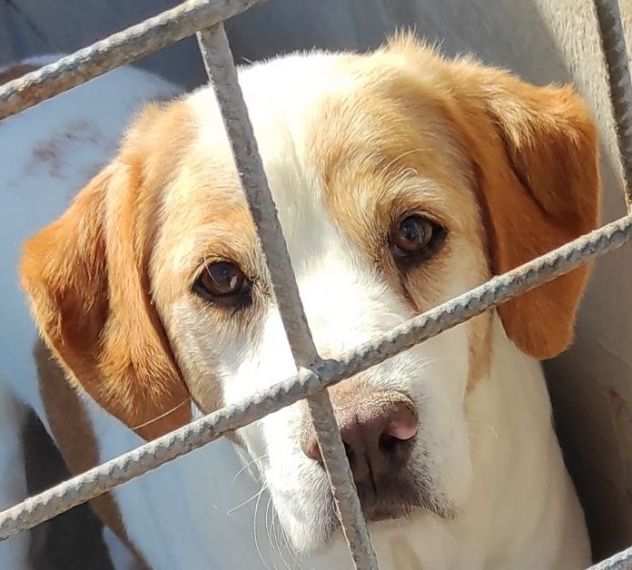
point(521, 492)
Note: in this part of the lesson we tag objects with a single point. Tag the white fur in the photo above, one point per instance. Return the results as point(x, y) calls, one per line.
point(196, 510)
point(434, 374)
point(194, 513)
point(495, 460)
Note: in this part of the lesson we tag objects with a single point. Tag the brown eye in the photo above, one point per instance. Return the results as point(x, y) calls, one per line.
point(224, 283)
point(415, 238)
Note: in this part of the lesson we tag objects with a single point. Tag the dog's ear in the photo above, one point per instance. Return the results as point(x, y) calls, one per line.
point(535, 153)
point(87, 278)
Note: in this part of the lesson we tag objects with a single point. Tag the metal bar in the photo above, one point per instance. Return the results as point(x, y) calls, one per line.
point(620, 561)
point(613, 45)
point(118, 49)
point(223, 75)
point(128, 466)
point(220, 67)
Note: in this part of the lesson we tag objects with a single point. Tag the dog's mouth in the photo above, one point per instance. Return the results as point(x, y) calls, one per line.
point(390, 502)
point(397, 498)
point(389, 508)
point(394, 499)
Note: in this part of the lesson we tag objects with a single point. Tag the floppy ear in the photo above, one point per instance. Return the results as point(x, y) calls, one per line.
point(86, 276)
point(535, 153)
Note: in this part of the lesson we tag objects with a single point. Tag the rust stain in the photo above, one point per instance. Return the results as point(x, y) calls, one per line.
point(55, 152)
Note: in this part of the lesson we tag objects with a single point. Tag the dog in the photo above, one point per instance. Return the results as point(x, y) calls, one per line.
point(402, 179)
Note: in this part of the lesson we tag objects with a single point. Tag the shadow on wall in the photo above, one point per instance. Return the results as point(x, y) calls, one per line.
point(73, 540)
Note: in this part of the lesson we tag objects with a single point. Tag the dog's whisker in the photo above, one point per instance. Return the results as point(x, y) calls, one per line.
point(284, 543)
point(276, 542)
point(254, 529)
point(256, 460)
point(248, 500)
point(163, 415)
point(270, 535)
point(276, 537)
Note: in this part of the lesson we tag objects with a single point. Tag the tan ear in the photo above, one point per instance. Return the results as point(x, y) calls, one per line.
point(535, 152)
point(86, 276)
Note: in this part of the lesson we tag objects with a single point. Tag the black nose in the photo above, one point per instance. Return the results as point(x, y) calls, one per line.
point(377, 437)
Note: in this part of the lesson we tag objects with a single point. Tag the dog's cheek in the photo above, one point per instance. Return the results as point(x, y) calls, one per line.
point(436, 378)
point(290, 474)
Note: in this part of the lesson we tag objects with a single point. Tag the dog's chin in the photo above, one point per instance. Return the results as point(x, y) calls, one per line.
point(312, 537)
point(396, 504)
point(400, 498)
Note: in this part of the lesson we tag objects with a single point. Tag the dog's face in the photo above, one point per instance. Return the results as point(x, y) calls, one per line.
point(401, 180)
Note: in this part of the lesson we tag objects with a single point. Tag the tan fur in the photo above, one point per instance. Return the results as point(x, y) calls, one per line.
point(411, 134)
point(535, 154)
point(508, 166)
point(530, 152)
point(539, 183)
point(86, 275)
point(191, 235)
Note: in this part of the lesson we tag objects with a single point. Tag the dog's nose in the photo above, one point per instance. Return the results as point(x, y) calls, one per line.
point(377, 437)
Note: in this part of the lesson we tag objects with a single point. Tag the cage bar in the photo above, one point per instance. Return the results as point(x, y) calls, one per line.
point(120, 48)
point(220, 67)
point(613, 47)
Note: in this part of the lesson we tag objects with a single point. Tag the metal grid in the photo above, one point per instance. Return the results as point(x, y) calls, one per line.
point(314, 375)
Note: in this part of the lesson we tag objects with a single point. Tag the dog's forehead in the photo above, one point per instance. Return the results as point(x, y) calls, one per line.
point(328, 127)
point(319, 112)
point(286, 99)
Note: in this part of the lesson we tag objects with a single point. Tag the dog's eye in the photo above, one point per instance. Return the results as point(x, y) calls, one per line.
point(224, 283)
point(415, 238)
